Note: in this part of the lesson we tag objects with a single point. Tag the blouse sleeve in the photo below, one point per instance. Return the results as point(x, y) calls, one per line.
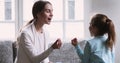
point(87, 51)
point(79, 51)
point(83, 55)
point(27, 45)
point(47, 44)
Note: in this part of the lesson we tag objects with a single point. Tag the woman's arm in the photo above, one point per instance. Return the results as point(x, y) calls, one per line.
point(28, 47)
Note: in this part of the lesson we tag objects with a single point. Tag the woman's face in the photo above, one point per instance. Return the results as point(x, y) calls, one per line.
point(46, 15)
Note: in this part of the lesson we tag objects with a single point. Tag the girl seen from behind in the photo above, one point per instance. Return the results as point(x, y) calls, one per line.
point(99, 49)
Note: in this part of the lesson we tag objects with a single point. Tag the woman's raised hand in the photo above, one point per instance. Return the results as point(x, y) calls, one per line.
point(57, 44)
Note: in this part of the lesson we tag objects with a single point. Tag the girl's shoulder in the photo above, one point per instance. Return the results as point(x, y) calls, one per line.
point(98, 39)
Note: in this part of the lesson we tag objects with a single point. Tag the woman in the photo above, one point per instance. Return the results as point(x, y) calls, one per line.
point(33, 38)
point(100, 49)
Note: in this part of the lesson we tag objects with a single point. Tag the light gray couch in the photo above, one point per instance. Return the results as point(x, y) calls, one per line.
point(66, 54)
point(7, 51)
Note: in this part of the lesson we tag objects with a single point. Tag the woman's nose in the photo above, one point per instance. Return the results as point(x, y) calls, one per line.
point(51, 14)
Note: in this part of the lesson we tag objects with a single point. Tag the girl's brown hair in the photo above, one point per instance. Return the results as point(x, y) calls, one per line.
point(105, 25)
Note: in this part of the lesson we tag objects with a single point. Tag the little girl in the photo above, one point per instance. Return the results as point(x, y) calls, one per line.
point(100, 49)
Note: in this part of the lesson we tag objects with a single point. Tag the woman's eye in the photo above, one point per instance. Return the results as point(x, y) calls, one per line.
point(47, 11)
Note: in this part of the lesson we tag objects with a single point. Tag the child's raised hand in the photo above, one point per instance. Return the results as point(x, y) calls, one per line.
point(74, 41)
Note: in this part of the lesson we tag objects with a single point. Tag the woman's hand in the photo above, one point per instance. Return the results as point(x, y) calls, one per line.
point(50, 62)
point(74, 41)
point(57, 44)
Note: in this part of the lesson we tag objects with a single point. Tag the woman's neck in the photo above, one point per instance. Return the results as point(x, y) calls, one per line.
point(38, 26)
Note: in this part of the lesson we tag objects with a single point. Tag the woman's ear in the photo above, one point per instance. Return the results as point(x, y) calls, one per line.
point(40, 14)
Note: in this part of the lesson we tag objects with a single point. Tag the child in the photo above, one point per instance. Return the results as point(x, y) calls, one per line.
point(100, 49)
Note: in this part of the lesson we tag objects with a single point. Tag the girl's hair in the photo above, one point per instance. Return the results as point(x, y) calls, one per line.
point(104, 25)
point(38, 7)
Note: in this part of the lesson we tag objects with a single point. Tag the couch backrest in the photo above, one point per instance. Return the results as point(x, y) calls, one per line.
point(66, 54)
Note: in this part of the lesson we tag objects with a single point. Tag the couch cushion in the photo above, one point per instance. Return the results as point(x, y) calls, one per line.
point(6, 52)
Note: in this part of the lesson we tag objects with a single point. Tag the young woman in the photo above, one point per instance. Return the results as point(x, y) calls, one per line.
point(33, 39)
point(100, 49)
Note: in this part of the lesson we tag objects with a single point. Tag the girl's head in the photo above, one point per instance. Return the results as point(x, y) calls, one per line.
point(42, 10)
point(100, 24)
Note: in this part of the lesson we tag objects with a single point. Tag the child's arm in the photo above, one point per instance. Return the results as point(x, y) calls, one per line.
point(79, 51)
point(87, 51)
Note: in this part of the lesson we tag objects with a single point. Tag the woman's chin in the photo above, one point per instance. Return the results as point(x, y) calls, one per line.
point(48, 23)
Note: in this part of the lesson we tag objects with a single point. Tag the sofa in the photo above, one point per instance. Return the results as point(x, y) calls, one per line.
point(66, 54)
point(7, 51)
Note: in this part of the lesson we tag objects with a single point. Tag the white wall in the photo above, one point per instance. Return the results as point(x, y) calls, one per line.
point(112, 10)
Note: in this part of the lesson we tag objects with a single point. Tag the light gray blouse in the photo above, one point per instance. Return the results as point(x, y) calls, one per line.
point(33, 47)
